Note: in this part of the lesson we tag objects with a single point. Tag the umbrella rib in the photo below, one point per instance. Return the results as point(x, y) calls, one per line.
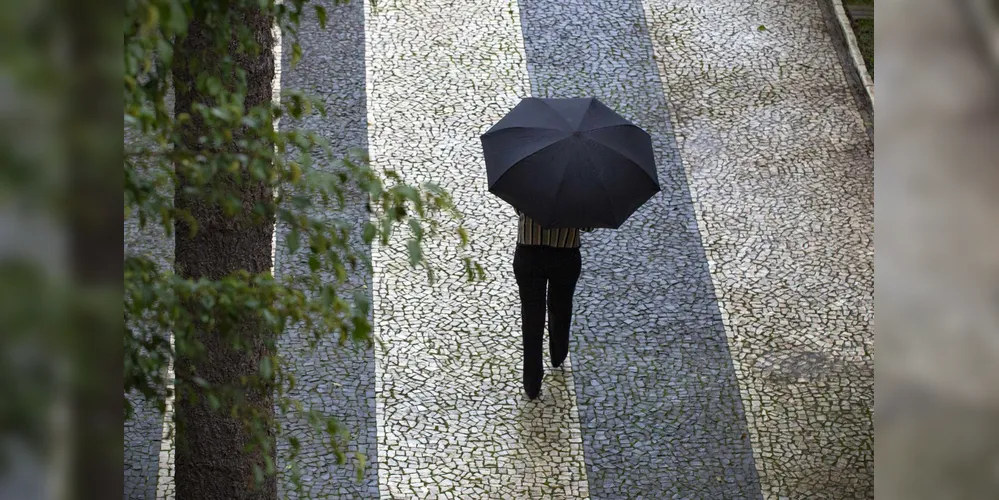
point(559, 114)
point(610, 199)
point(582, 118)
point(518, 127)
point(605, 127)
point(536, 151)
point(561, 183)
point(616, 152)
point(625, 158)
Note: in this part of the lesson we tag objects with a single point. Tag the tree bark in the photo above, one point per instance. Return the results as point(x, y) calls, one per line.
point(211, 459)
point(91, 384)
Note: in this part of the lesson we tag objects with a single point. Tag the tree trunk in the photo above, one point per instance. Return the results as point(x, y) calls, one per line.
point(211, 459)
point(91, 383)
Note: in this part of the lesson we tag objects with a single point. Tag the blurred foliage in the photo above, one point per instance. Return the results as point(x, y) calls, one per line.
point(41, 300)
point(311, 187)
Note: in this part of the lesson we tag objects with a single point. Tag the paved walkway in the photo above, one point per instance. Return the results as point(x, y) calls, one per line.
point(723, 342)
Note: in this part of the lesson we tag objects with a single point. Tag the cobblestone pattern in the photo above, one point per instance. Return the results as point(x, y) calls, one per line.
point(453, 419)
point(782, 174)
point(143, 432)
point(142, 450)
point(337, 380)
point(657, 392)
point(166, 486)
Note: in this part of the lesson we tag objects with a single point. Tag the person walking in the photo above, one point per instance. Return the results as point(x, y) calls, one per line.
point(547, 264)
point(570, 163)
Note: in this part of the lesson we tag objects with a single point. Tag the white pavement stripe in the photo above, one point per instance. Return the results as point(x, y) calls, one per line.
point(165, 486)
point(781, 172)
point(452, 418)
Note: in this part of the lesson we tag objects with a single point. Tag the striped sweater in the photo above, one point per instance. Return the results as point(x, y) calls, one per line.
point(531, 233)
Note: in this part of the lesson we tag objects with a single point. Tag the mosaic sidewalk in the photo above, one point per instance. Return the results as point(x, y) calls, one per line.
point(453, 422)
point(330, 378)
point(782, 175)
point(657, 392)
point(723, 343)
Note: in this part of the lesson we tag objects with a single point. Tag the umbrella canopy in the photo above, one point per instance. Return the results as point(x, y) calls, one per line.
point(570, 163)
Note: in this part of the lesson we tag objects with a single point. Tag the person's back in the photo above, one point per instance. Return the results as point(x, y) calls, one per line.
point(530, 233)
point(547, 263)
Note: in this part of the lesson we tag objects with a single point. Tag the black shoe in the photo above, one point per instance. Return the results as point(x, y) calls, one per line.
point(533, 392)
point(558, 354)
point(532, 386)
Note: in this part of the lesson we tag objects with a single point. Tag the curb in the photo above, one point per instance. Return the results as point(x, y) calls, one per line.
point(845, 44)
point(859, 67)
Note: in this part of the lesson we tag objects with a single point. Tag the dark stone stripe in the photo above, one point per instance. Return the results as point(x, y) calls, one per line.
point(143, 433)
point(658, 399)
point(340, 381)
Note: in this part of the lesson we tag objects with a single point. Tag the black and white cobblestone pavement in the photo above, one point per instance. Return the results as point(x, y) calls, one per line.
point(723, 343)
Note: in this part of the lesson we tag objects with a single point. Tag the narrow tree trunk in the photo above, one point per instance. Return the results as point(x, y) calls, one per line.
point(211, 461)
point(89, 386)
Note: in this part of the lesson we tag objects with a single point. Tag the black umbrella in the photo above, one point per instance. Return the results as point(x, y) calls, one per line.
point(570, 163)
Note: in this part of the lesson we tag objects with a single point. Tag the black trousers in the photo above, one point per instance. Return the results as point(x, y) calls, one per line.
point(541, 269)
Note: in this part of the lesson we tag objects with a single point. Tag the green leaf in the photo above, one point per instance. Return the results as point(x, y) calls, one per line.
point(417, 229)
point(265, 368)
point(178, 18)
point(293, 240)
point(469, 272)
point(258, 475)
point(386, 230)
point(296, 54)
point(362, 463)
point(362, 303)
point(463, 234)
point(761, 28)
point(409, 193)
point(415, 252)
point(321, 13)
point(341, 271)
point(152, 16)
point(165, 51)
point(369, 233)
point(301, 202)
point(375, 188)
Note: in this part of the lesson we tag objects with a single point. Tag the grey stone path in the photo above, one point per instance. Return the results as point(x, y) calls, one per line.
point(142, 449)
point(336, 380)
point(781, 171)
point(656, 388)
point(453, 421)
point(142, 435)
point(723, 344)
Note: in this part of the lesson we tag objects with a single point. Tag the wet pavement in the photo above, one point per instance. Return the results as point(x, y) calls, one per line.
point(723, 342)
